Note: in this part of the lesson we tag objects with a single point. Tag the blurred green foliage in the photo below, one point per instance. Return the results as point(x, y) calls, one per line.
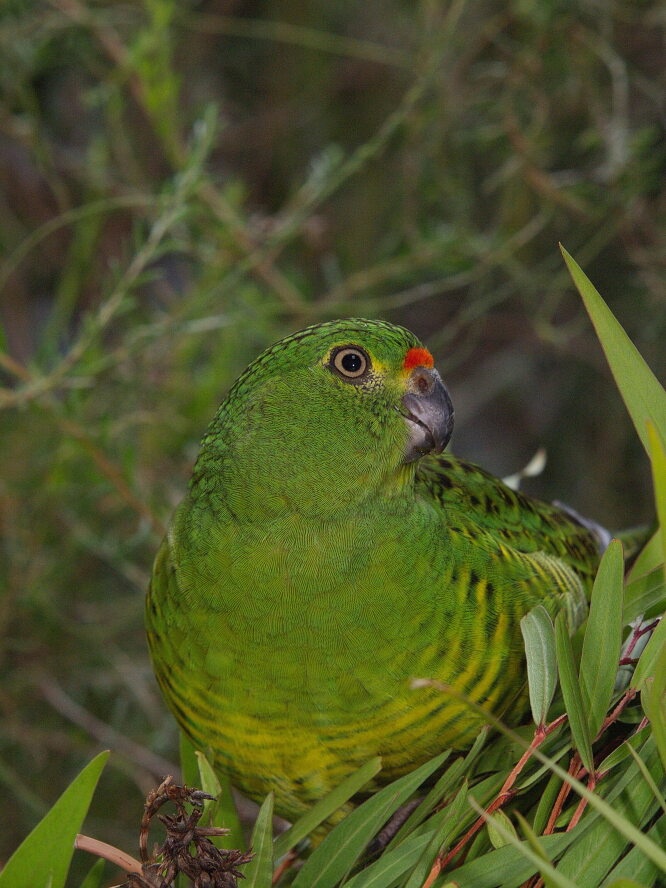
point(181, 183)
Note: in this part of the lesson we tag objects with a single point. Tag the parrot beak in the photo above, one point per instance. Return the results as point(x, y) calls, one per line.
point(428, 412)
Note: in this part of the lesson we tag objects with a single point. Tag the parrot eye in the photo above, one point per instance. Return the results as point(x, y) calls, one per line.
point(349, 362)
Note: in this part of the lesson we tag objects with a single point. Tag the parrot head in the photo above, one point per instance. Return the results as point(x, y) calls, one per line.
point(332, 411)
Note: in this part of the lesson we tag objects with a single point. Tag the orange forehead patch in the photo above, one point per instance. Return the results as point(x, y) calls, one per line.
point(418, 357)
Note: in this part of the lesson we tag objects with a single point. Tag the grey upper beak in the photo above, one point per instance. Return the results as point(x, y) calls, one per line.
point(428, 411)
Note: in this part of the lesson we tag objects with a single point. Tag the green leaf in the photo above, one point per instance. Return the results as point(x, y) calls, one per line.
point(499, 838)
point(650, 679)
point(259, 871)
point(95, 875)
point(507, 866)
point(392, 865)
point(621, 823)
point(621, 753)
point(600, 845)
point(336, 855)
point(546, 801)
point(449, 824)
point(327, 806)
point(189, 765)
point(649, 558)
point(651, 660)
point(221, 812)
point(539, 639)
point(625, 883)
point(636, 864)
point(658, 460)
point(641, 391)
point(546, 868)
point(443, 786)
point(573, 698)
point(603, 638)
point(42, 860)
point(645, 595)
point(648, 778)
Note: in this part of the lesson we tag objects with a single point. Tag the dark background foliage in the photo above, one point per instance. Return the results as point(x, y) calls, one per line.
point(181, 183)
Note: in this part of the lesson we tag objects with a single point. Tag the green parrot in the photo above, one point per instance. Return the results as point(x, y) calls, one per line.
point(328, 553)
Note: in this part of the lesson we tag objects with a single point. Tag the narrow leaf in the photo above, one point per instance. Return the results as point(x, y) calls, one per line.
point(543, 866)
point(600, 845)
point(449, 824)
point(636, 864)
point(189, 765)
point(645, 595)
point(653, 699)
point(539, 640)
point(336, 855)
point(444, 785)
point(619, 822)
point(573, 698)
point(327, 806)
point(507, 866)
point(259, 871)
point(641, 391)
point(95, 875)
point(392, 865)
point(221, 812)
point(499, 838)
point(603, 638)
point(42, 860)
point(658, 460)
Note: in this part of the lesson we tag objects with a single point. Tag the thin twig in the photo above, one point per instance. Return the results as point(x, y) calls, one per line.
point(102, 732)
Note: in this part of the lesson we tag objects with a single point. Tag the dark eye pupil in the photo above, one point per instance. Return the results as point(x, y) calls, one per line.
point(352, 363)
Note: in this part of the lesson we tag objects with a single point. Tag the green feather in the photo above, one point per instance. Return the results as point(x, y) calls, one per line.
point(316, 568)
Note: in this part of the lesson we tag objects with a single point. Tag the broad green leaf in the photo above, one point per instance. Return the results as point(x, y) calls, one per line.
point(336, 855)
point(42, 860)
point(539, 639)
point(259, 871)
point(573, 698)
point(327, 806)
point(641, 391)
point(603, 638)
point(658, 460)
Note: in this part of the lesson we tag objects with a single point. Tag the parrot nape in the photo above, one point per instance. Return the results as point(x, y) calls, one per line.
point(328, 553)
